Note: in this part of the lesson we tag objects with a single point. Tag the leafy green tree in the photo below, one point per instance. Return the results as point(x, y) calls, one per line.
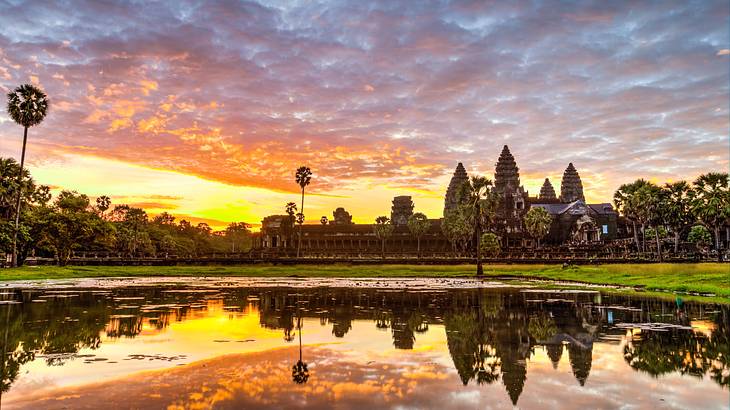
point(490, 245)
point(238, 234)
point(628, 204)
point(418, 225)
point(71, 224)
point(457, 227)
point(711, 202)
point(537, 222)
point(481, 205)
point(699, 236)
point(303, 177)
point(677, 198)
point(27, 106)
point(383, 230)
point(646, 210)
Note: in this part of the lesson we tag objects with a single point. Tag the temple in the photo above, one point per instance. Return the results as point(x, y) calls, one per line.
point(574, 222)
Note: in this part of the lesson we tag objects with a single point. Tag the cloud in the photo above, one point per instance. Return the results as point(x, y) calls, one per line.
point(384, 93)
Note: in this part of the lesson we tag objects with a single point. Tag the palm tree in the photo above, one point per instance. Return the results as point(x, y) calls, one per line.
point(102, 204)
point(27, 106)
point(677, 198)
point(291, 210)
point(625, 200)
point(537, 222)
point(383, 229)
point(712, 202)
point(299, 372)
point(418, 224)
point(481, 203)
point(303, 177)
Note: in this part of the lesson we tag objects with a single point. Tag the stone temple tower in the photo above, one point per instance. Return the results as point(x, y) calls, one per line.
point(571, 188)
point(457, 180)
point(401, 210)
point(506, 174)
point(547, 191)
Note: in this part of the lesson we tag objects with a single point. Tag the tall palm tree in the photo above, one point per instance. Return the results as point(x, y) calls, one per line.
point(303, 177)
point(712, 202)
point(481, 203)
point(383, 229)
point(27, 106)
point(625, 200)
point(678, 208)
point(537, 222)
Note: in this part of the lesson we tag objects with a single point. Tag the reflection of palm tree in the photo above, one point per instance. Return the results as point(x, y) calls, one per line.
point(299, 372)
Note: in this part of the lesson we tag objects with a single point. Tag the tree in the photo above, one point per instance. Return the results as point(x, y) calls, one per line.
point(418, 225)
point(291, 211)
point(699, 236)
point(711, 202)
point(383, 230)
point(71, 224)
point(537, 222)
point(481, 204)
point(646, 209)
point(457, 228)
point(677, 198)
point(102, 204)
point(27, 106)
point(627, 204)
point(239, 235)
point(491, 245)
point(303, 177)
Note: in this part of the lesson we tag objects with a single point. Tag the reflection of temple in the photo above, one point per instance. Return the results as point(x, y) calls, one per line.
point(491, 334)
point(574, 221)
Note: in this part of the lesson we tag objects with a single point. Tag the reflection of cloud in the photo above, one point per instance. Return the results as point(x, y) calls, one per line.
point(347, 380)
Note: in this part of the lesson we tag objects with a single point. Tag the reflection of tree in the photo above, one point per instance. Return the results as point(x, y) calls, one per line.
point(341, 321)
point(299, 372)
point(555, 352)
point(683, 351)
point(542, 327)
point(57, 328)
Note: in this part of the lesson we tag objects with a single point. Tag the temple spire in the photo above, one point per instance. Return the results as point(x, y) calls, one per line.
point(547, 191)
point(571, 188)
point(457, 180)
point(506, 173)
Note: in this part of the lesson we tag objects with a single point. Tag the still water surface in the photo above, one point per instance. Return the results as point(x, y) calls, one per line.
point(246, 343)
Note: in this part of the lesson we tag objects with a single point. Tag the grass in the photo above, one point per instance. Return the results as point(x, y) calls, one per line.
point(706, 278)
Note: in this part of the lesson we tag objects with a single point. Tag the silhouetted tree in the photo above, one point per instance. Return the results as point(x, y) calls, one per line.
point(27, 106)
point(303, 177)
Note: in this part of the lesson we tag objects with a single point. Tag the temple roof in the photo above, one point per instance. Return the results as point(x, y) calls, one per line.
point(559, 209)
point(459, 177)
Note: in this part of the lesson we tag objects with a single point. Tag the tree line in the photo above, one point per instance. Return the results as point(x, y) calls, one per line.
point(71, 222)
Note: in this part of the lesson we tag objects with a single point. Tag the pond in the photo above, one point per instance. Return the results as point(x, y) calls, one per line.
point(182, 343)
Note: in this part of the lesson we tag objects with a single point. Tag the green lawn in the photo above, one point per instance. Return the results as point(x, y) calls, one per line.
point(703, 278)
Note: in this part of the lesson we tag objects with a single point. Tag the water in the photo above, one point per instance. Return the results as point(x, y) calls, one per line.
point(235, 343)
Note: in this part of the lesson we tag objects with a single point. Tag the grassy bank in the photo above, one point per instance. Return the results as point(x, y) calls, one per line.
point(702, 278)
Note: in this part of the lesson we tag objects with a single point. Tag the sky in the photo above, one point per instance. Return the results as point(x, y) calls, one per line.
point(206, 109)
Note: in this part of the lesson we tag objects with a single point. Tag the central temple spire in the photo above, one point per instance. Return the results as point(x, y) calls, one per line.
point(547, 191)
point(506, 174)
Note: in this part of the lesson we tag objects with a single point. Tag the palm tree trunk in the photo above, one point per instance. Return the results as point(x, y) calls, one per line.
point(382, 249)
point(717, 243)
point(636, 237)
point(17, 207)
point(299, 241)
point(658, 245)
point(480, 268)
point(643, 238)
point(418, 251)
point(676, 241)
